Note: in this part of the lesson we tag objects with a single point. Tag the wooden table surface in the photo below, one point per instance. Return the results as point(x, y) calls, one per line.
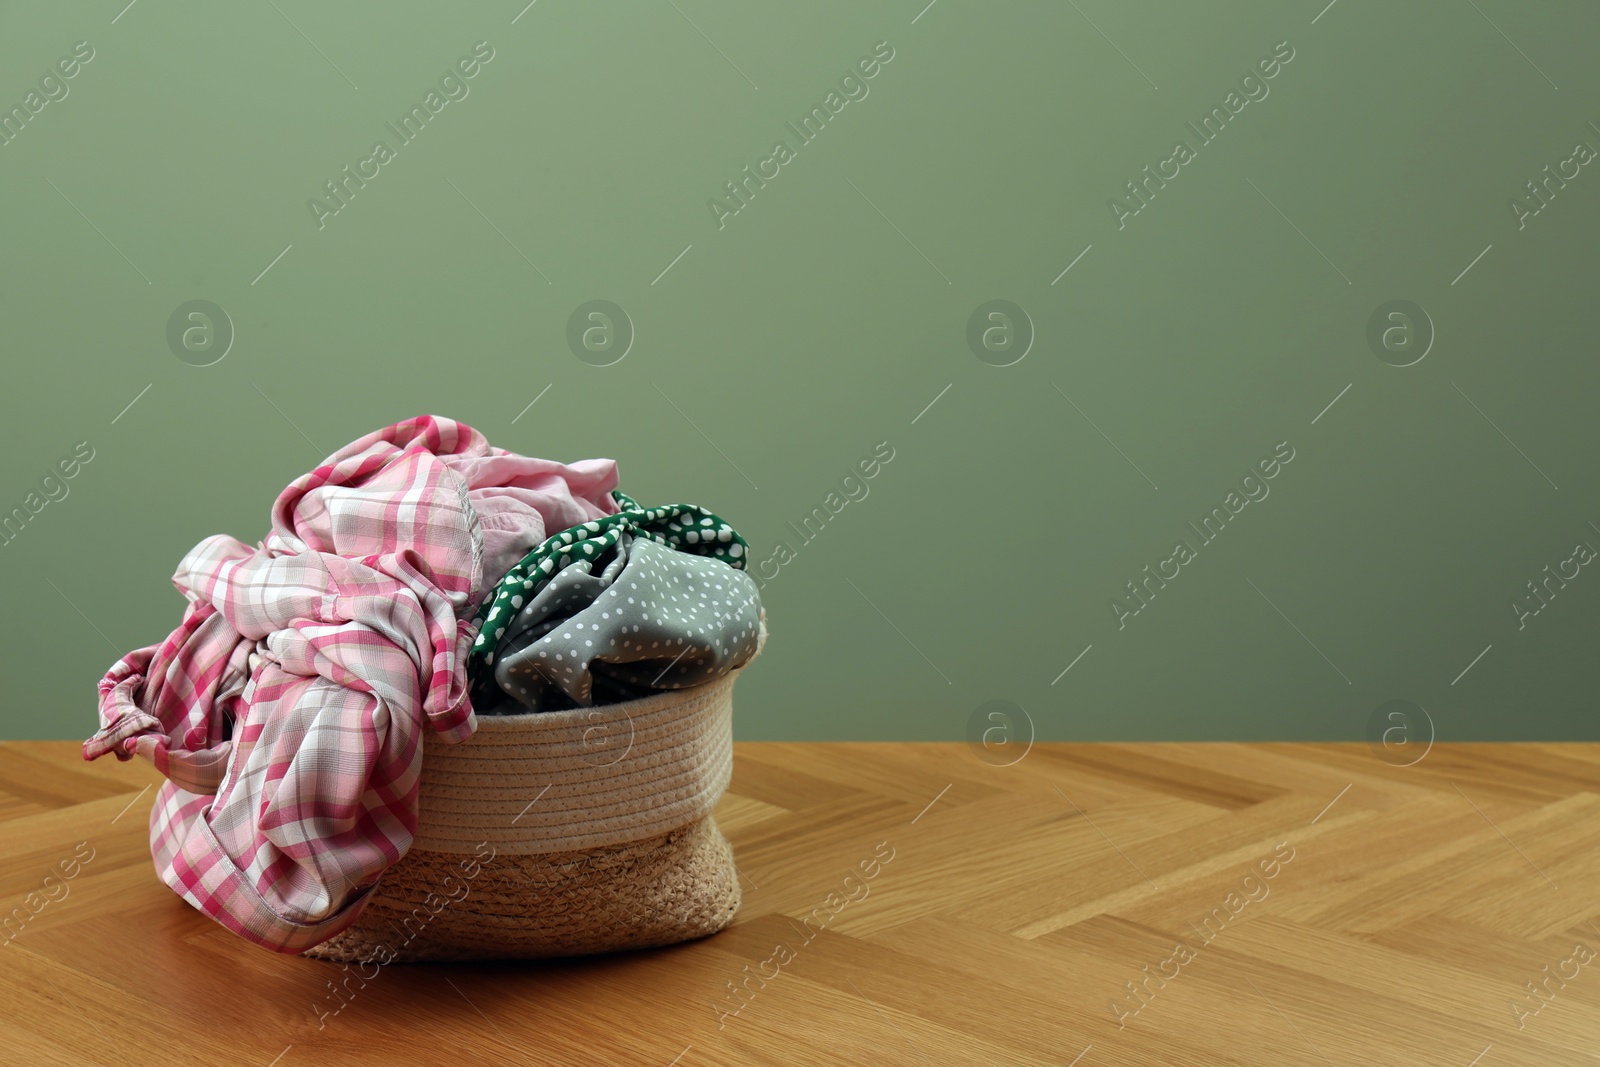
point(1088, 905)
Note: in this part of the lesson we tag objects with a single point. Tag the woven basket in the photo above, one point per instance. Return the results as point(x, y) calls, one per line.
point(562, 833)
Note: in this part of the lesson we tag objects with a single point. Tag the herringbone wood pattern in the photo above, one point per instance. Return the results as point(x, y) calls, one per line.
point(1269, 904)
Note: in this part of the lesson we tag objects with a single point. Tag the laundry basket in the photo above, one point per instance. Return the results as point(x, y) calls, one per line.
point(561, 833)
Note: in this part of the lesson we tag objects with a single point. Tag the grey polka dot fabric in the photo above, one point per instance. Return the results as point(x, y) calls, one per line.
point(638, 618)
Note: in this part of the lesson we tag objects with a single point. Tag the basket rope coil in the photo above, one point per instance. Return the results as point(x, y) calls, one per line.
point(560, 833)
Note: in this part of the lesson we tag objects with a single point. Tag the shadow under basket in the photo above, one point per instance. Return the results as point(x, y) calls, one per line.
point(562, 833)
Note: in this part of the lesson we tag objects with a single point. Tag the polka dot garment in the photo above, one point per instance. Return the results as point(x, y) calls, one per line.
point(639, 618)
point(683, 527)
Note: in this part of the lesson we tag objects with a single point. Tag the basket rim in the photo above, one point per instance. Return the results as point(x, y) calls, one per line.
point(567, 717)
point(625, 709)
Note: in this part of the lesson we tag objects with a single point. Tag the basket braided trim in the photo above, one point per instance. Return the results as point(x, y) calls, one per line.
point(562, 781)
point(670, 888)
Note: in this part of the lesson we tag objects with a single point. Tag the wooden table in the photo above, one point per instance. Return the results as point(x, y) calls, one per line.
point(1089, 905)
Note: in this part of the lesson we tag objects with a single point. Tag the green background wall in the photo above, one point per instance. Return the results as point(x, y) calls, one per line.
point(824, 318)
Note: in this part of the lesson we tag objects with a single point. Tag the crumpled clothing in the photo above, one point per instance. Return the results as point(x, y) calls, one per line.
point(684, 527)
point(637, 618)
point(287, 709)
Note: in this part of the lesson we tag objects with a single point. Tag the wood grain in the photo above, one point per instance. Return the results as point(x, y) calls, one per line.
point(1089, 905)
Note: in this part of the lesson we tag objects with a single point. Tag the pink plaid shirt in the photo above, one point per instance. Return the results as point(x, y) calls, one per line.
point(287, 709)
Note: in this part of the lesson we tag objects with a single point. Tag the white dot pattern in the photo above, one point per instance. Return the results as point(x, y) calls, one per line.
point(672, 525)
point(635, 618)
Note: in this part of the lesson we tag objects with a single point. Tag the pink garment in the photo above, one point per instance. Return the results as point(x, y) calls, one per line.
point(521, 501)
point(287, 708)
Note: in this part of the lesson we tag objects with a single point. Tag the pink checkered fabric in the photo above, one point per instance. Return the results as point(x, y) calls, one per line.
point(287, 709)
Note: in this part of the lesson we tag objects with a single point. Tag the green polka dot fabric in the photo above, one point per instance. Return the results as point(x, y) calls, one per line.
point(683, 527)
point(639, 619)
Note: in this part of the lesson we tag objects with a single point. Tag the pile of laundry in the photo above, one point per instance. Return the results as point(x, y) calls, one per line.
point(417, 578)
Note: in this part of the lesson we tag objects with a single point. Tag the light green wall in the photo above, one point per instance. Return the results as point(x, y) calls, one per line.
point(1182, 348)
